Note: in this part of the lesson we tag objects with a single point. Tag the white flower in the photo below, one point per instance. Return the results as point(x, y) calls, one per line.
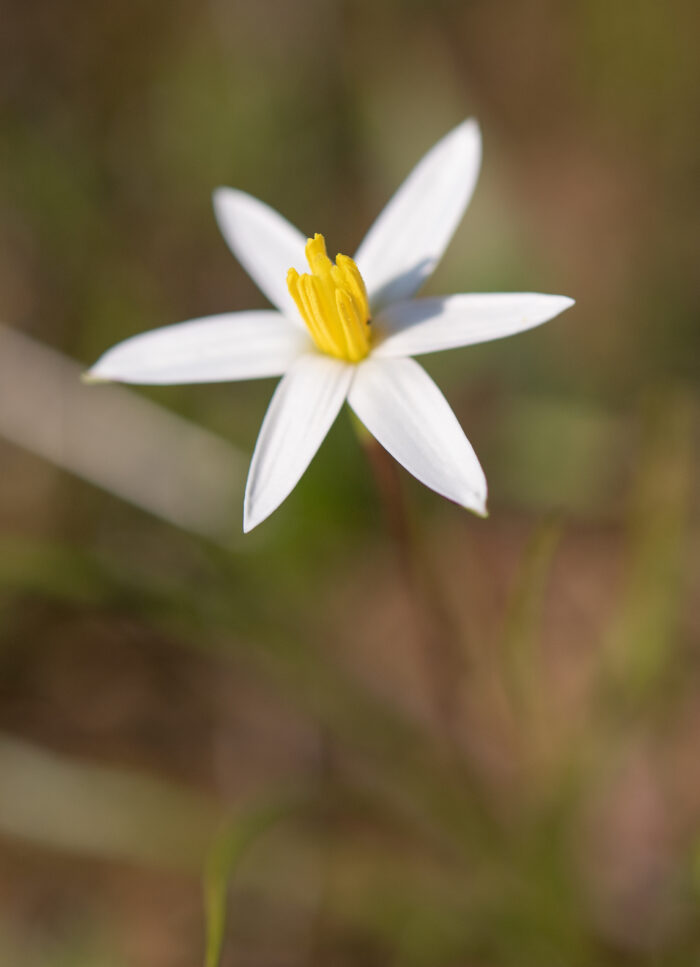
point(345, 331)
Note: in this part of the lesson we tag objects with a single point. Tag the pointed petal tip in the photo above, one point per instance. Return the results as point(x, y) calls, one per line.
point(562, 303)
point(220, 192)
point(476, 503)
point(220, 196)
point(228, 202)
point(470, 133)
point(470, 126)
point(92, 377)
point(253, 514)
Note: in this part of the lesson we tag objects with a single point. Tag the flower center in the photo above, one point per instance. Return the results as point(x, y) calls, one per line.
point(332, 301)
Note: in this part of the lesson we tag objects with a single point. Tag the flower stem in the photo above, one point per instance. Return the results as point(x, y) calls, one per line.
point(443, 658)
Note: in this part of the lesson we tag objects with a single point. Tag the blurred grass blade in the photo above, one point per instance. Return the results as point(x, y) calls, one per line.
point(62, 803)
point(118, 440)
point(224, 856)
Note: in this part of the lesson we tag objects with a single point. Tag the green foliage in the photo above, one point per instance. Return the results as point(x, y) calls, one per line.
point(225, 854)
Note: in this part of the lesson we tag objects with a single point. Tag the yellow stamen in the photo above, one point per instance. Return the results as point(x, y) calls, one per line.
point(332, 301)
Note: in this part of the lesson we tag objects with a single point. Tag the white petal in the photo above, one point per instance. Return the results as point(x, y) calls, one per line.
point(236, 345)
point(428, 325)
point(264, 242)
point(409, 237)
point(299, 416)
point(403, 408)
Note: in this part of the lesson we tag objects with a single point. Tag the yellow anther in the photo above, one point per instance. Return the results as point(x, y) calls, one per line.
point(316, 312)
point(355, 346)
point(353, 280)
point(332, 301)
point(293, 286)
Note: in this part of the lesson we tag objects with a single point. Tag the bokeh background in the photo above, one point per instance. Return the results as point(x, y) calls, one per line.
point(480, 750)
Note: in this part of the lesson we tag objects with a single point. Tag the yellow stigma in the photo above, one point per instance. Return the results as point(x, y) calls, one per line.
point(332, 301)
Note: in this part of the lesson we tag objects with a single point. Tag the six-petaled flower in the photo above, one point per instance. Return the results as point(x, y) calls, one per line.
point(345, 331)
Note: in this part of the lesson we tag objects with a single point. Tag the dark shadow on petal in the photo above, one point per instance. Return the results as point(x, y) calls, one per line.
point(411, 312)
point(403, 286)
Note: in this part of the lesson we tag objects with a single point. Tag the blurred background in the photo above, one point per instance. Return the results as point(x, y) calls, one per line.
point(480, 751)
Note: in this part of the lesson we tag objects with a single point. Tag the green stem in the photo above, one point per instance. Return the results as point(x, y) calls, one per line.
point(443, 658)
